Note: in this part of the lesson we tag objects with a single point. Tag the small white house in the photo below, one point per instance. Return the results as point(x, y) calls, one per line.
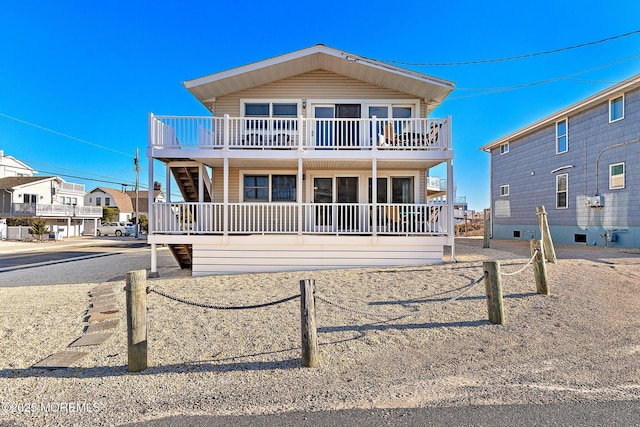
point(59, 202)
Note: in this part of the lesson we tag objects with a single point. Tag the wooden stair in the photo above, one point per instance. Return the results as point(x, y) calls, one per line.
point(187, 180)
point(183, 253)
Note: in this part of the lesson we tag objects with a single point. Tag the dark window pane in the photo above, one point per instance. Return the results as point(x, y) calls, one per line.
point(283, 188)
point(382, 190)
point(290, 110)
point(401, 190)
point(379, 112)
point(256, 110)
point(401, 112)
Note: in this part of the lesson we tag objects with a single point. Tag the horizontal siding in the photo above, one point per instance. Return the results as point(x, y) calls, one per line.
point(208, 259)
point(318, 84)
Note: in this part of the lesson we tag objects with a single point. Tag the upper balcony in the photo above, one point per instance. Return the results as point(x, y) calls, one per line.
point(299, 133)
point(52, 210)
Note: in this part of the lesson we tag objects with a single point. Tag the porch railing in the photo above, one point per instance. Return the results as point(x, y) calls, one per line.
point(298, 133)
point(45, 209)
point(306, 218)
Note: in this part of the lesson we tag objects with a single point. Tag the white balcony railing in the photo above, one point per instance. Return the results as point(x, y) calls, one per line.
point(306, 218)
point(299, 133)
point(54, 210)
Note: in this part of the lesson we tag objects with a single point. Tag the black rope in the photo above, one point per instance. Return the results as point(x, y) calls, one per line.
point(221, 307)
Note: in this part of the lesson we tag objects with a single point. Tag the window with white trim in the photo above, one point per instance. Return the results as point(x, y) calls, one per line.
point(616, 109)
point(504, 148)
point(562, 140)
point(504, 190)
point(616, 176)
point(270, 188)
point(562, 191)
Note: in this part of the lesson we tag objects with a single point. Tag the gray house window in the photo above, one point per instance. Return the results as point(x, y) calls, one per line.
point(504, 190)
point(616, 109)
point(562, 142)
point(504, 148)
point(616, 176)
point(562, 191)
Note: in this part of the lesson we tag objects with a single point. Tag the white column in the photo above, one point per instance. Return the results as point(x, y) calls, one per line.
point(451, 198)
point(374, 195)
point(225, 198)
point(154, 258)
point(299, 196)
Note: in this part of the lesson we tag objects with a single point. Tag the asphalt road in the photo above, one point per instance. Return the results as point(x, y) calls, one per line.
point(616, 413)
point(24, 260)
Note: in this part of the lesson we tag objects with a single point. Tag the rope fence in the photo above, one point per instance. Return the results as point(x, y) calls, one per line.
point(220, 307)
point(466, 290)
point(525, 266)
point(137, 291)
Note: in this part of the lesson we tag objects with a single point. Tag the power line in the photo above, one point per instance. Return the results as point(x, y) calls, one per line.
point(509, 58)
point(488, 91)
point(84, 141)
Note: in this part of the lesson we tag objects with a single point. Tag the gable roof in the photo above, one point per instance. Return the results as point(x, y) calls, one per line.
point(11, 182)
point(431, 89)
point(604, 95)
point(120, 198)
point(12, 162)
point(143, 197)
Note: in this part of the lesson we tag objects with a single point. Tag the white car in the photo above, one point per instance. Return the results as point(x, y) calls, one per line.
point(116, 228)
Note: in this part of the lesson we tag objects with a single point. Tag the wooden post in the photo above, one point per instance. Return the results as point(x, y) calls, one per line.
point(539, 268)
point(137, 320)
point(308, 323)
point(545, 235)
point(493, 287)
point(487, 227)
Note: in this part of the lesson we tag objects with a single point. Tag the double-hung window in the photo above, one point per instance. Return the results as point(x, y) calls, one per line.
point(616, 176)
point(562, 190)
point(270, 188)
point(562, 141)
point(616, 109)
point(270, 123)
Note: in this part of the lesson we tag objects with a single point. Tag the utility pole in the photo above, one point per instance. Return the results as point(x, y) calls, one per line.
point(137, 163)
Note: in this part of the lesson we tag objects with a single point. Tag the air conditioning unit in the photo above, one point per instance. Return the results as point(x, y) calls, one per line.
point(595, 201)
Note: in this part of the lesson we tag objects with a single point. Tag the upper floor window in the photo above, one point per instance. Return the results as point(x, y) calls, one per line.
point(616, 176)
point(269, 188)
point(98, 201)
point(107, 201)
point(562, 191)
point(504, 148)
point(562, 142)
point(504, 190)
point(616, 109)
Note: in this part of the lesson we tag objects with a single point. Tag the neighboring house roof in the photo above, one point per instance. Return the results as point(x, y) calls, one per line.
point(611, 92)
point(11, 182)
point(143, 197)
point(17, 164)
point(120, 199)
point(433, 90)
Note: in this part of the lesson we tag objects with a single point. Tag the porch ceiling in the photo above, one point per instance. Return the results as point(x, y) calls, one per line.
point(262, 163)
point(431, 89)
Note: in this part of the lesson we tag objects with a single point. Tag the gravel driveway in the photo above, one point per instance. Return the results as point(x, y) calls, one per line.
point(581, 343)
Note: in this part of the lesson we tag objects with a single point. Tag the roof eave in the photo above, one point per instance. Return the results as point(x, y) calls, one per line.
point(312, 59)
point(630, 83)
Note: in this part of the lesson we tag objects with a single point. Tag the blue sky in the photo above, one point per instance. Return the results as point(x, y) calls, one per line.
point(78, 78)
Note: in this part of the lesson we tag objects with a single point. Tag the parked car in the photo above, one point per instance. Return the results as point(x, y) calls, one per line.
point(116, 228)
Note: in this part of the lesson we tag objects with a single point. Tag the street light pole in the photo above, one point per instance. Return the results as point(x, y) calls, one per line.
point(137, 194)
